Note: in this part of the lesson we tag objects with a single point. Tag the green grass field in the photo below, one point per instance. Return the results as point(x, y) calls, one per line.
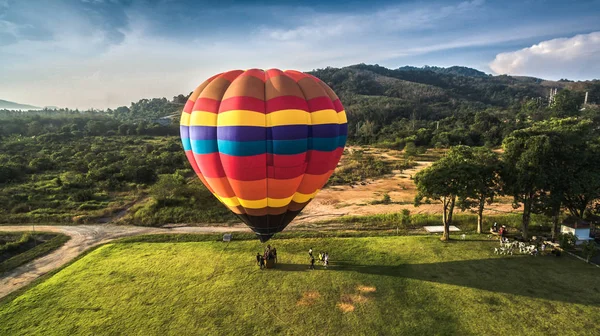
point(413, 285)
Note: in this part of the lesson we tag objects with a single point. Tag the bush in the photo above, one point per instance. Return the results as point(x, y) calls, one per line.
point(20, 208)
point(567, 240)
point(589, 249)
point(82, 196)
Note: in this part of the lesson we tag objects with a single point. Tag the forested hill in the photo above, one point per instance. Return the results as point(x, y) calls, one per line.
point(8, 105)
point(428, 106)
point(446, 106)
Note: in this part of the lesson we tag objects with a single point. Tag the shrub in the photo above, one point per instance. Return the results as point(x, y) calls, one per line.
point(567, 240)
point(589, 249)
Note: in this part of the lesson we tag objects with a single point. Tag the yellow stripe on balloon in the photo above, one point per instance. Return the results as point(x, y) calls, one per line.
point(266, 202)
point(279, 118)
point(241, 118)
point(185, 119)
point(342, 117)
point(201, 118)
point(288, 117)
point(301, 198)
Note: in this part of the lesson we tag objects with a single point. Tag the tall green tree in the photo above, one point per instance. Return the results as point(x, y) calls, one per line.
point(447, 180)
point(523, 174)
point(485, 183)
point(549, 165)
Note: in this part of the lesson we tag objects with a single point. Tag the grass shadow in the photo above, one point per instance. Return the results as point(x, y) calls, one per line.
point(518, 275)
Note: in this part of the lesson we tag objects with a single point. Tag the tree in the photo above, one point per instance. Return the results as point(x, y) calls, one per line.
point(485, 181)
point(523, 173)
point(548, 165)
point(566, 103)
point(446, 180)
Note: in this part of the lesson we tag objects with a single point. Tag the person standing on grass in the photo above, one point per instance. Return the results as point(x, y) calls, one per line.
point(258, 259)
point(274, 251)
point(262, 262)
point(312, 262)
point(310, 252)
point(326, 259)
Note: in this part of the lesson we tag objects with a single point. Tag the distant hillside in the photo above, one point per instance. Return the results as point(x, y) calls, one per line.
point(8, 105)
point(454, 70)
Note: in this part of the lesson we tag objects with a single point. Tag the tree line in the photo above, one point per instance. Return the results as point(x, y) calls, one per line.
point(547, 167)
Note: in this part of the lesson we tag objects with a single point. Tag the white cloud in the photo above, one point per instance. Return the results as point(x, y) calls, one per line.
point(577, 56)
point(81, 66)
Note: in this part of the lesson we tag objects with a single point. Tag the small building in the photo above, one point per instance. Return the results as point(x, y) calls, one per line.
point(578, 227)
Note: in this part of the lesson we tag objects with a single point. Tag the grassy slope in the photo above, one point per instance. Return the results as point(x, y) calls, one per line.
point(421, 286)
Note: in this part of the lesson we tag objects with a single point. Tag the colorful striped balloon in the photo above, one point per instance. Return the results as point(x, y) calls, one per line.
point(264, 142)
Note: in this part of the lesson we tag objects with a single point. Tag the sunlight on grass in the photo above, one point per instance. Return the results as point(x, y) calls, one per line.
point(373, 286)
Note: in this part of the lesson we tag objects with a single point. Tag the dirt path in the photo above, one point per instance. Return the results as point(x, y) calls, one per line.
point(82, 238)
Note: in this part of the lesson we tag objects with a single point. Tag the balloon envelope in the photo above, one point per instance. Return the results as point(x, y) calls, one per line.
point(264, 142)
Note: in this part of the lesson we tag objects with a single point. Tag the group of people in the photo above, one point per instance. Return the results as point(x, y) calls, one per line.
point(323, 257)
point(501, 232)
point(269, 254)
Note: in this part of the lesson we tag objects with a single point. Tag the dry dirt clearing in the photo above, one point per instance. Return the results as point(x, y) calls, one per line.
point(336, 201)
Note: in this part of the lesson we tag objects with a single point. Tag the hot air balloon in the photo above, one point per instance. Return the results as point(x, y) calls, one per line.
point(264, 142)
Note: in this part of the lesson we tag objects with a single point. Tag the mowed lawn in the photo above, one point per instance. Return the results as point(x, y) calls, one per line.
point(374, 286)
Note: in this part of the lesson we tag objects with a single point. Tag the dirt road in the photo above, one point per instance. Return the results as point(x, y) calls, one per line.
point(82, 238)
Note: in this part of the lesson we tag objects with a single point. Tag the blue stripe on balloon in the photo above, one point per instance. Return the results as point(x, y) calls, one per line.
point(187, 145)
point(242, 148)
point(280, 147)
point(204, 146)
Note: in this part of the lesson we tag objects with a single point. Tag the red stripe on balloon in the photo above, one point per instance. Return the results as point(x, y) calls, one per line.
point(245, 168)
point(338, 105)
point(192, 160)
point(286, 103)
point(207, 105)
point(189, 105)
point(283, 173)
point(243, 103)
point(320, 103)
point(209, 164)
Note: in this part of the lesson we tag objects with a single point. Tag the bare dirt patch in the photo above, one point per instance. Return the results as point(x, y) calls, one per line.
point(345, 307)
point(345, 200)
point(308, 298)
point(366, 289)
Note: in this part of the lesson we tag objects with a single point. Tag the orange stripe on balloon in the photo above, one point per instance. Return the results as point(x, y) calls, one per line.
point(311, 183)
point(231, 75)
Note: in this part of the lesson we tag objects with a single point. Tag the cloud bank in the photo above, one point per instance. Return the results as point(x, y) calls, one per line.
point(99, 54)
point(578, 56)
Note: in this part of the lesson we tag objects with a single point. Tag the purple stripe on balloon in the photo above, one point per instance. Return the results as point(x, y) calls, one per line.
point(242, 133)
point(184, 131)
point(257, 133)
point(203, 132)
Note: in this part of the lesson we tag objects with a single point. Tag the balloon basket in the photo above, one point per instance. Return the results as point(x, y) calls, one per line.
point(270, 263)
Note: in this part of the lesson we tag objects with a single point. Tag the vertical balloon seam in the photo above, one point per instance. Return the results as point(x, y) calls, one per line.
point(226, 179)
point(218, 161)
point(266, 149)
point(192, 99)
point(309, 140)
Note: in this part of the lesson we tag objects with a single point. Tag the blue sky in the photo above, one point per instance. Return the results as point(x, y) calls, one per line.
point(107, 53)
